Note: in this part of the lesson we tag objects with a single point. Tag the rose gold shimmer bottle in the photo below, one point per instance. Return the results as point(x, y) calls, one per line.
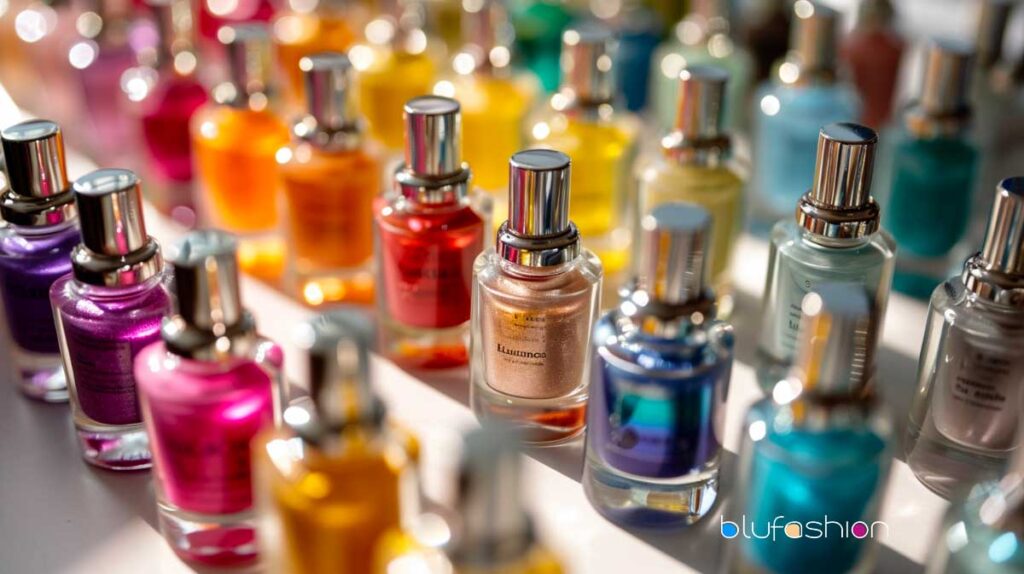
point(535, 300)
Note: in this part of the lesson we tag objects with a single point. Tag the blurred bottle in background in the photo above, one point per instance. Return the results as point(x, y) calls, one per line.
point(873, 51)
point(306, 27)
point(539, 25)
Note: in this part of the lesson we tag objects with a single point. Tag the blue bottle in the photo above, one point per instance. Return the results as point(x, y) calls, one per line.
point(803, 95)
point(638, 31)
point(816, 452)
point(659, 383)
point(928, 173)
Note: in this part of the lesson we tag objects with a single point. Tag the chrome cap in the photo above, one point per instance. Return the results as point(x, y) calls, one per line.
point(330, 122)
point(993, 16)
point(250, 66)
point(698, 135)
point(997, 273)
point(115, 248)
point(944, 105)
point(588, 58)
point(812, 44)
point(433, 171)
point(834, 344)
point(39, 193)
point(674, 249)
point(538, 232)
point(839, 204)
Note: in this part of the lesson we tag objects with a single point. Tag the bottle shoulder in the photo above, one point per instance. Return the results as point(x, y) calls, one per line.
point(581, 275)
point(396, 215)
point(225, 124)
point(39, 244)
point(77, 300)
point(960, 308)
point(794, 242)
point(167, 376)
point(661, 175)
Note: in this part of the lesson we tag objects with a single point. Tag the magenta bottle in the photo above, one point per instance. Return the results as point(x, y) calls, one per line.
point(107, 310)
point(35, 250)
point(206, 389)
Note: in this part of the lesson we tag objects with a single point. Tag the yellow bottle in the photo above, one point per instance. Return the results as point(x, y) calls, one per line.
point(235, 139)
point(600, 141)
point(494, 535)
point(308, 28)
point(694, 166)
point(328, 483)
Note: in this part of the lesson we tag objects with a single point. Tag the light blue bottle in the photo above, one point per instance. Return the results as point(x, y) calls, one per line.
point(834, 238)
point(803, 95)
point(659, 383)
point(816, 453)
point(928, 174)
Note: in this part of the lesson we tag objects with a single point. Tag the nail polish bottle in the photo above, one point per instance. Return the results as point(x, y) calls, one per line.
point(330, 179)
point(35, 251)
point(535, 301)
point(765, 30)
point(206, 389)
point(167, 94)
point(107, 310)
point(18, 75)
point(659, 382)
point(816, 452)
point(494, 98)
point(47, 30)
point(702, 38)
point(873, 51)
point(538, 26)
point(428, 232)
point(695, 165)
point(804, 94)
point(329, 481)
point(929, 173)
point(835, 238)
point(393, 66)
point(309, 28)
point(964, 420)
point(584, 123)
point(639, 31)
point(235, 138)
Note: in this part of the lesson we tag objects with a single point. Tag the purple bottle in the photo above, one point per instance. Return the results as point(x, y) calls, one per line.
point(107, 310)
point(35, 250)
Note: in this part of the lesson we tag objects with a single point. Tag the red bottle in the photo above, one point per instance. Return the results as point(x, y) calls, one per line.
point(873, 52)
point(428, 234)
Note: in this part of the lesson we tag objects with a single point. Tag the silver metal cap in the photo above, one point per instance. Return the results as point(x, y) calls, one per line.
point(250, 66)
point(997, 273)
point(39, 192)
point(210, 321)
point(674, 250)
point(330, 122)
point(839, 204)
point(433, 171)
point(115, 249)
point(588, 58)
point(944, 105)
point(538, 232)
point(812, 44)
point(494, 526)
point(488, 35)
point(698, 135)
point(834, 345)
point(993, 16)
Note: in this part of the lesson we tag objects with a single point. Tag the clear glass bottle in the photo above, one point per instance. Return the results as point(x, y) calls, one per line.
point(701, 39)
point(329, 482)
point(584, 123)
point(107, 310)
point(535, 300)
point(835, 238)
point(928, 172)
point(330, 179)
point(695, 166)
point(306, 28)
point(803, 95)
point(206, 390)
point(428, 232)
point(873, 51)
point(660, 380)
point(816, 452)
point(35, 251)
point(235, 139)
point(963, 423)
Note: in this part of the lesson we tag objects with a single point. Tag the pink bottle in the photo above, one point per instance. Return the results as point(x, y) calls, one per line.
point(206, 390)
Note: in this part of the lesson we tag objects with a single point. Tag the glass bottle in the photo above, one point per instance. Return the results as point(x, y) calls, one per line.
point(702, 38)
point(329, 482)
point(695, 166)
point(802, 96)
point(816, 452)
point(428, 232)
point(107, 310)
point(929, 173)
point(639, 31)
point(765, 30)
point(35, 251)
point(873, 52)
point(330, 179)
point(583, 123)
point(306, 28)
point(47, 29)
point(963, 423)
point(535, 301)
point(235, 139)
point(206, 390)
point(835, 238)
point(660, 380)
point(539, 25)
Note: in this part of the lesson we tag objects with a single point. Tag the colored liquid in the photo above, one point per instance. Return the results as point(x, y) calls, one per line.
point(538, 28)
point(112, 132)
point(298, 35)
point(166, 114)
point(386, 82)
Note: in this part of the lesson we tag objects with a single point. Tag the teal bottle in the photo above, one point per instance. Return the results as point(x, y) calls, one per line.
point(538, 28)
point(816, 452)
point(929, 174)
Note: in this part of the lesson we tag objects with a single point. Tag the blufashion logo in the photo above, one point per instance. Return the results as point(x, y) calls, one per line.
point(811, 529)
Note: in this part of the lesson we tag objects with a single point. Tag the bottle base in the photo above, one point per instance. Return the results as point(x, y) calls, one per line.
point(946, 468)
point(642, 504)
point(427, 349)
point(42, 380)
point(315, 289)
point(227, 540)
point(118, 448)
point(262, 256)
point(540, 422)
